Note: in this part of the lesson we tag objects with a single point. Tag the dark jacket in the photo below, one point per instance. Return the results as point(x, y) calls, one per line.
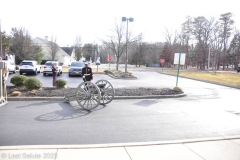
point(54, 71)
point(87, 70)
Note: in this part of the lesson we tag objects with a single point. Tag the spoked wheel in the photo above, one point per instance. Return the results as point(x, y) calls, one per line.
point(106, 90)
point(88, 95)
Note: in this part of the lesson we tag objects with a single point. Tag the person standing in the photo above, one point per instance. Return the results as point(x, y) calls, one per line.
point(5, 74)
point(54, 73)
point(87, 73)
point(5, 71)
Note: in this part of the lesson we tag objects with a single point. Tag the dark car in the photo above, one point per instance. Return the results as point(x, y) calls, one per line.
point(238, 68)
point(75, 69)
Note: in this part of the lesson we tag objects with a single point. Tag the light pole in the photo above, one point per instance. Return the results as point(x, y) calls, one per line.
point(130, 20)
point(0, 40)
point(209, 56)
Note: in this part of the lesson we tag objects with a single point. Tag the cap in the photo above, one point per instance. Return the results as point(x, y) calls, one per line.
point(86, 62)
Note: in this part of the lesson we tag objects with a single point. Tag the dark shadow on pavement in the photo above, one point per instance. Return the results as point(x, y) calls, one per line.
point(146, 103)
point(67, 112)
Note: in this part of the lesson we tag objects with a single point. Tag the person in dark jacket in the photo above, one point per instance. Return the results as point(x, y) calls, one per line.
point(54, 73)
point(88, 73)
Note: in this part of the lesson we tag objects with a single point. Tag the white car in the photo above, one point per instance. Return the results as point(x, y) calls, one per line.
point(48, 68)
point(29, 66)
point(11, 67)
point(98, 62)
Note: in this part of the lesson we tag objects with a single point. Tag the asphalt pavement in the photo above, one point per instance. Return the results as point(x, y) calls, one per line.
point(205, 124)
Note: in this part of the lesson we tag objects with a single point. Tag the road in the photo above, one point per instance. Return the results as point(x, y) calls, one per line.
point(208, 110)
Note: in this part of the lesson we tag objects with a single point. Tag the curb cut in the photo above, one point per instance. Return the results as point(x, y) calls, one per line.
point(115, 98)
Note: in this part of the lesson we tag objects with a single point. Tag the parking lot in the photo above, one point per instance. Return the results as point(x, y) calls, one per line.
point(73, 81)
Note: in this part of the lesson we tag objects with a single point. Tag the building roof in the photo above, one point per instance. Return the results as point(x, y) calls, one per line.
point(68, 50)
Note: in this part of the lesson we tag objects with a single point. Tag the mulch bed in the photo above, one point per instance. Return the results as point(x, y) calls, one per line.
point(55, 92)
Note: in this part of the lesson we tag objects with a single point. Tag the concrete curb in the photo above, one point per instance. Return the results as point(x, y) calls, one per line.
point(109, 145)
point(130, 78)
point(115, 98)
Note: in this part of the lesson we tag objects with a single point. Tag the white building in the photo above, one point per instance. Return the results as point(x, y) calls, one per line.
point(61, 55)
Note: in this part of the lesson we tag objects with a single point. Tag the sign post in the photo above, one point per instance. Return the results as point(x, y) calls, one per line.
point(162, 61)
point(109, 59)
point(179, 58)
point(178, 68)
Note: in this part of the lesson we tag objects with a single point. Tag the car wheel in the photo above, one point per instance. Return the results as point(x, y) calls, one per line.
point(69, 75)
point(44, 74)
point(58, 73)
point(14, 72)
point(20, 73)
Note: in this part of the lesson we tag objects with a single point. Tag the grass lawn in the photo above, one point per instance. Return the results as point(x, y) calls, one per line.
point(217, 77)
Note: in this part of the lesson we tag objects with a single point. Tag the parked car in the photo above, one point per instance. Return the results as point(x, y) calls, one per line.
point(11, 67)
point(238, 68)
point(75, 68)
point(98, 62)
point(47, 69)
point(29, 66)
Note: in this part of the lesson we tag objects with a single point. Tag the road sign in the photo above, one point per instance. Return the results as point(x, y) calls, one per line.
point(110, 58)
point(162, 61)
point(179, 58)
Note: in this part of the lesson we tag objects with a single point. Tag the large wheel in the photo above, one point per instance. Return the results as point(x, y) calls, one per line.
point(106, 90)
point(88, 95)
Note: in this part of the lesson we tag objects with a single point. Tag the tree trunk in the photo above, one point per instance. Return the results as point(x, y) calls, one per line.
point(117, 63)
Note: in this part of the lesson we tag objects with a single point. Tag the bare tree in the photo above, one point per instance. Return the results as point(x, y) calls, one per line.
point(202, 29)
point(22, 45)
point(78, 48)
point(117, 42)
point(6, 41)
point(170, 37)
point(226, 23)
point(234, 53)
point(53, 48)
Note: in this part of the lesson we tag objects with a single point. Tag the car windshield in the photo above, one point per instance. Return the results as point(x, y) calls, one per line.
point(48, 64)
point(26, 63)
point(77, 64)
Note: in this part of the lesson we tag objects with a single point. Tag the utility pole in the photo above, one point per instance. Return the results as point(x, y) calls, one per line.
point(0, 40)
point(208, 56)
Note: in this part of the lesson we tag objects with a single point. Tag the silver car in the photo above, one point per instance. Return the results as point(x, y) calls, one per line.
point(47, 69)
point(75, 69)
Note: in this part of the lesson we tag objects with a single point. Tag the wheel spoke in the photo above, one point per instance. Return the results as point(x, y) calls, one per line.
point(107, 92)
point(88, 95)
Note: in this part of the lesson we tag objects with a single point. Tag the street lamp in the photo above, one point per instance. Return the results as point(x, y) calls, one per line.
point(130, 20)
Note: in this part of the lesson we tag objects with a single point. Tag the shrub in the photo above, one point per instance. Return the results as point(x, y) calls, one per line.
point(60, 83)
point(32, 83)
point(178, 89)
point(18, 80)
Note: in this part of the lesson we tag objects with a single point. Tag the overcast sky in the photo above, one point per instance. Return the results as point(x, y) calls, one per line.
point(94, 19)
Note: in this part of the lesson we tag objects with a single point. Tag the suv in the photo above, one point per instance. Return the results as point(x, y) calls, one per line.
point(48, 68)
point(29, 66)
point(75, 68)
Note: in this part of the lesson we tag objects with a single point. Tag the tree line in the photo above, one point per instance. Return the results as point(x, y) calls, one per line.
point(208, 43)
